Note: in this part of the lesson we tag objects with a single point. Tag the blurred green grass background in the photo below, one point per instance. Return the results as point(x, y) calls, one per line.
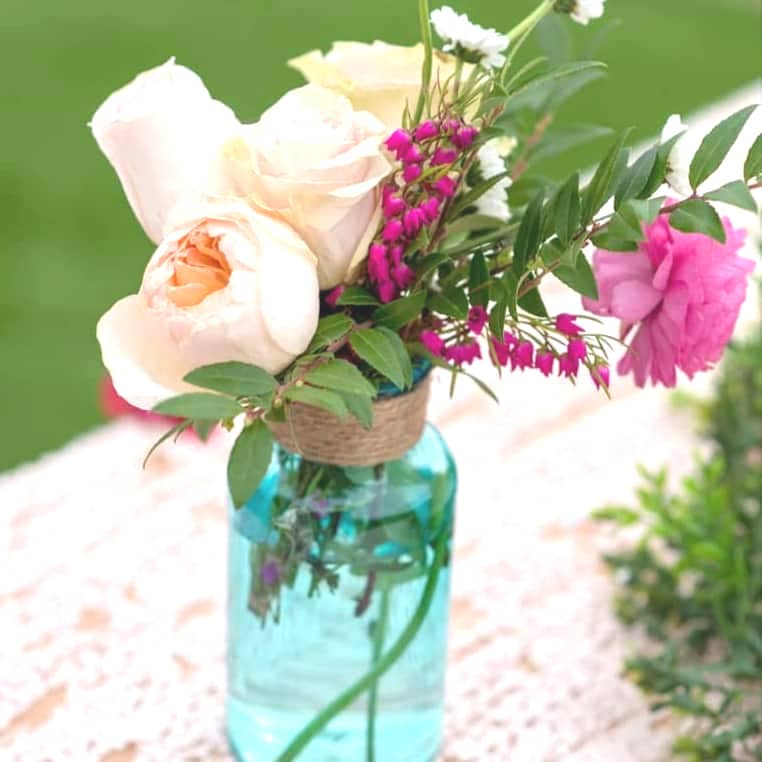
point(70, 244)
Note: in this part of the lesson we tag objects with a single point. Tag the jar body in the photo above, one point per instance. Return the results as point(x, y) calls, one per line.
point(339, 585)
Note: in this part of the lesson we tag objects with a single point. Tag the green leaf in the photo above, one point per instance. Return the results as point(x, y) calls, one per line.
point(470, 198)
point(753, 166)
point(509, 283)
point(580, 278)
point(451, 302)
point(659, 170)
point(715, 146)
point(340, 376)
point(478, 281)
point(177, 429)
point(696, 216)
point(497, 316)
point(610, 242)
point(238, 379)
point(402, 357)
point(523, 73)
point(204, 429)
point(330, 329)
point(199, 405)
point(736, 193)
point(528, 237)
point(361, 407)
point(598, 68)
point(249, 461)
point(604, 180)
point(486, 389)
point(325, 399)
point(532, 302)
point(374, 347)
point(561, 139)
point(566, 210)
point(635, 178)
point(472, 222)
point(423, 267)
point(354, 296)
point(400, 312)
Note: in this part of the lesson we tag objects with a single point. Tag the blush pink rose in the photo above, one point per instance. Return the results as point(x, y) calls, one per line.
point(681, 293)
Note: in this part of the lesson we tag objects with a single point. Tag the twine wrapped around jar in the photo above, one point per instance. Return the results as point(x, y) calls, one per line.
point(319, 436)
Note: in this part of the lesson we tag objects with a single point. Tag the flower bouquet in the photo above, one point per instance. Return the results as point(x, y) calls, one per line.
point(314, 267)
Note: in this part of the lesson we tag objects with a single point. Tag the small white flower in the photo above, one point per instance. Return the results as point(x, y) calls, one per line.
point(494, 203)
point(681, 155)
point(459, 32)
point(585, 10)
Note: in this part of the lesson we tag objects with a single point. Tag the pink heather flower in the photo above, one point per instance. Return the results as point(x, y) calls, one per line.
point(393, 205)
point(465, 137)
point(462, 354)
point(523, 357)
point(568, 366)
point(577, 349)
point(399, 141)
point(403, 276)
point(427, 130)
point(270, 573)
point(430, 209)
point(444, 156)
point(396, 253)
point(378, 264)
point(544, 362)
point(333, 296)
point(412, 155)
point(387, 291)
point(411, 173)
point(601, 376)
point(681, 292)
point(446, 186)
point(413, 221)
point(504, 349)
point(450, 125)
point(566, 325)
point(477, 319)
point(434, 343)
point(392, 231)
point(388, 190)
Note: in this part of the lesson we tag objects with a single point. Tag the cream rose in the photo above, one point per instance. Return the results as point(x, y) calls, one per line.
point(163, 134)
point(319, 164)
point(377, 77)
point(229, 283)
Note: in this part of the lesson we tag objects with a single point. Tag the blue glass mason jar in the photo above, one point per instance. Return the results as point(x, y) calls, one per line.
point(339, 586)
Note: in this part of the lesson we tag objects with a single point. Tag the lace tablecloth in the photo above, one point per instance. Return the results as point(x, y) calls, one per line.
point(112, 583)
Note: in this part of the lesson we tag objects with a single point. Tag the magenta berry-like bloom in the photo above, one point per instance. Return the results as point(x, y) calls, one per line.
point(387, 291)
point(413, 155)
point(446, 186)
point(504, 349)
point(465, 137)
point(544, 362)
point(413, 221)
point(444, 156)
point(378, 264)
point(463, 354)
point(393, 231)
point(568, 366)
point(411, 173)
point(270, 573)
point(450, 125)
point(395, 254)
point(577, 349)
point(477, 319)
point(680, 293)
point(393, 206)
point(403, 275)
point(427, 130)
point(566, 325)
point(430, 209)
point(399, 141)
point(434, 343)
point(332, 297)
point(523, 356)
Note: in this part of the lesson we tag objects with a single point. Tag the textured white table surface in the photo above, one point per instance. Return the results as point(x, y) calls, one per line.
point(112, 584)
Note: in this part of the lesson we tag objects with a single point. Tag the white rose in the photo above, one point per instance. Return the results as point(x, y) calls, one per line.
point(377, 77)
point(163, 134)
point(230, 283)
point(319, 164)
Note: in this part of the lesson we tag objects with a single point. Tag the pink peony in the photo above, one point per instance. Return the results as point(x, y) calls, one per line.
point(682, 292)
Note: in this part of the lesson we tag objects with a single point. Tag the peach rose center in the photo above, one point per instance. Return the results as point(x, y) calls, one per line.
point(200, 269)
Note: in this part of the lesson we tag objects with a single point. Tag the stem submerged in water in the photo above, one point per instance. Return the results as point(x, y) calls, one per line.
point(367, 681)
point(379, 635)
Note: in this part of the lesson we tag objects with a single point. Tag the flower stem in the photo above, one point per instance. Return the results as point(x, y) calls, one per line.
point(379, 634)
point(317, 725)
point(428, 55)
point(531, 20)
